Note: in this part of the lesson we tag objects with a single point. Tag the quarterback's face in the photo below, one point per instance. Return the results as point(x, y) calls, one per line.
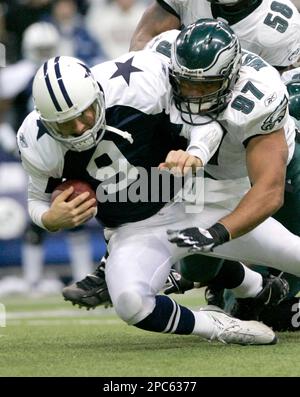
point(78, 126)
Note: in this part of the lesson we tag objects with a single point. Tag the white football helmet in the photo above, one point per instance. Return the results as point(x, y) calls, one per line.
point(40, 42)
point(62, 89)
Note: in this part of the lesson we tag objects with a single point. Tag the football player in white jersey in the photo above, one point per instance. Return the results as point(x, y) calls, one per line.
point(240, 113)
point(88, 128)
point(40, 42)
point(281, 317)
point(210, 273)
point(268, 28)
point(247, 98)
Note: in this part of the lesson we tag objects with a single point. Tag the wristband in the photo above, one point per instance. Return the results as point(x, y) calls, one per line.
point(219, 233)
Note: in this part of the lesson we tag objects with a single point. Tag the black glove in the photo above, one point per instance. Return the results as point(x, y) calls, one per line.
point(199, 239)
point(177, 284)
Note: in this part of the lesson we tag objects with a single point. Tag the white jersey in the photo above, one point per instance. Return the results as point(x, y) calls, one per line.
point(258, 106)
point(140, 133)
point(293, 74)
point(162, 43)
point(272, 30)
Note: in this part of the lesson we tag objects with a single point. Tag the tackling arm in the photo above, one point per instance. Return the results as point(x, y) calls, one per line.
point(266, 162)
point(203, 142)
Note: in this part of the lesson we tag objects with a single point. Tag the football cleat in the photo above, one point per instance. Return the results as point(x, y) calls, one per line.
point(275, 289)
point(232, 330)
point(90, 292)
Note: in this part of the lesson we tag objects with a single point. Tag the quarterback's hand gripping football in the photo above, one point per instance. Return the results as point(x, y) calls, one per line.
point(198, 239)
point(64, 215)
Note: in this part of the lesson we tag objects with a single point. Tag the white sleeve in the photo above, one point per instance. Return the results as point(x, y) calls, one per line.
point(36, 207)
point(203, 140)
point(42, 159)
point(264, 122)
point(38, 201)
point(293, 74)
point(259, 103)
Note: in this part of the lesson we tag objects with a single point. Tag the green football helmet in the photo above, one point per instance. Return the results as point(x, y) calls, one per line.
point(207, 51)
point(293, 88)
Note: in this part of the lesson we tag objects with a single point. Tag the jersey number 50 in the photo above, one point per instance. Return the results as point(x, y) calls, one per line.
point(276, 21)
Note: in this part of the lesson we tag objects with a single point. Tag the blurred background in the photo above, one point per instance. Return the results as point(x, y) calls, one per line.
point(32, 261)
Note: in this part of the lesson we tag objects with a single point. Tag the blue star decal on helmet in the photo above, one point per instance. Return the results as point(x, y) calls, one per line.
point(125, 69)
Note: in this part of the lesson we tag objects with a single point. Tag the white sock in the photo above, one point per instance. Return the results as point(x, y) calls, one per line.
point(80, 250)
point(32, 262)
point(204, 325)
point(251, 286)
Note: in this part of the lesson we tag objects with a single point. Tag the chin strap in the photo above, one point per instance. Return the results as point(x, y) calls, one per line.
point(124, 134)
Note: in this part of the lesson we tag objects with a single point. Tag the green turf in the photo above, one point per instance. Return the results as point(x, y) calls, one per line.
point(48, 337)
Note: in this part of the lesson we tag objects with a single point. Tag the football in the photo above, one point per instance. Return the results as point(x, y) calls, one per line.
point(79, 188)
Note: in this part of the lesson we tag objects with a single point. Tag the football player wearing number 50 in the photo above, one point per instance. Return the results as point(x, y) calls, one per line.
point(269, 28)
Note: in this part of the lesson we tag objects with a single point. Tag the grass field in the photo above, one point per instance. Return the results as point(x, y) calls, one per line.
point(48, 337)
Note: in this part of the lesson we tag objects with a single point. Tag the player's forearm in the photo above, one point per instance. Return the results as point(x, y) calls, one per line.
point(266, 163)
point(154, 21)
point(36, 209)
point(49, 223)
point(144, 32)
point(140, 39)
point(255, 207)
point(38, 203)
